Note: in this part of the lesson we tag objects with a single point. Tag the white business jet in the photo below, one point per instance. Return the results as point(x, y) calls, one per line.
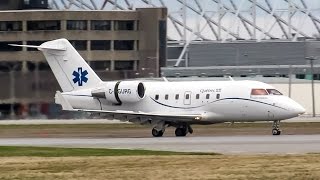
point(163, 104)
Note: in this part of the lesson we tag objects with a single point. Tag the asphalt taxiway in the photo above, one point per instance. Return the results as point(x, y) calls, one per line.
point(258, 144)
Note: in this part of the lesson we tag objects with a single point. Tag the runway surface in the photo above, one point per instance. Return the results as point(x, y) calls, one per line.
point(109, 121)
point(284, 144)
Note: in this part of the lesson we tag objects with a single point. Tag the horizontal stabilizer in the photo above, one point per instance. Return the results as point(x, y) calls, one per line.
point(59, 99)
point(40, 47)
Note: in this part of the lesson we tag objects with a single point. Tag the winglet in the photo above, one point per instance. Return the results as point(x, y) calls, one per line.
point(59, 99)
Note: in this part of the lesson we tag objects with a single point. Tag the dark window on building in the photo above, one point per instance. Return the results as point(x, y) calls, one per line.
point(218, 96)
point(157, 96)
point(269, 75)
point(10, 26)
point(76, 25)
point(100, 44)
point(43, 25)
point(162, 50)
point(187, 96)
point(123, 65)
point(100, 65)
point(31, 66)
point(177, 96)
point(34, 43)
point(41, 66)
point(79, 44)
point(197, 96)
point(100, 25)
point(166, 97)
point(123, 25)
point(6, 66)
point(138, 44)
point(207, 96)
point(5, 47)
point(300, 76)
point(124, 45)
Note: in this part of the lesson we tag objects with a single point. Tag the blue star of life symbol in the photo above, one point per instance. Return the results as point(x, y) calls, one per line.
point(80, 76)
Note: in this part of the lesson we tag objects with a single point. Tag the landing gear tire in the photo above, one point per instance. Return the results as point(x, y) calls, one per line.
point(157, 133)
point(190, 130)
point(276, 132)
point(181, 132)
point(276, 128)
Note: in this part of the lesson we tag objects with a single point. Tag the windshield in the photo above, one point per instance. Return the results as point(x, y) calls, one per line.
point(274, 92)
point(256, 92)
point(259, 92)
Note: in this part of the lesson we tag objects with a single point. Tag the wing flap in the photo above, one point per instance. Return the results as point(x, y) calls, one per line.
point(153, 116)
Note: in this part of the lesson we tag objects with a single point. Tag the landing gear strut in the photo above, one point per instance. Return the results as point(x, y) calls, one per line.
point(157, 133)
point(276, 128)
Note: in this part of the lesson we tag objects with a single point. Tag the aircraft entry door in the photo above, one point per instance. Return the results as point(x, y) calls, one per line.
point(187, 98)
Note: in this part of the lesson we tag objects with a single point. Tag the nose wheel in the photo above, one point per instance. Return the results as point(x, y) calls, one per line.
point(276, 128)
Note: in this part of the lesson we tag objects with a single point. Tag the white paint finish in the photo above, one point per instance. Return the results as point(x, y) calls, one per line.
point(234, 104)
point(301, 93)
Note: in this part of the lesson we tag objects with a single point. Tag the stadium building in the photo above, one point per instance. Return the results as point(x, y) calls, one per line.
point(116, 44)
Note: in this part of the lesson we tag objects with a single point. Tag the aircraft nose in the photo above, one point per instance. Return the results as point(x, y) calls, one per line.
point(298, 109)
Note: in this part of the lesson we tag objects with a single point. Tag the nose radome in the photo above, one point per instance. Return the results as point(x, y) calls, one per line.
point(298, 109)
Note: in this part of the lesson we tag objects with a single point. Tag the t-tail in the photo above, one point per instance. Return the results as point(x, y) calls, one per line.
point(70, 69)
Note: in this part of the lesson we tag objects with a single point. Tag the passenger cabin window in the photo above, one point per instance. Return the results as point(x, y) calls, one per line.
point(157, 96)
point(166, 97)
point(207, 96)
point(177, 96)
point(218, 96)
point(274, 92)
point(259, 92)
point(197, 96)
point(187, 96)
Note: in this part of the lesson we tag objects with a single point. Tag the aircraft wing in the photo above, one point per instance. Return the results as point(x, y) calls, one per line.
point(130, 115)
point(142, 116)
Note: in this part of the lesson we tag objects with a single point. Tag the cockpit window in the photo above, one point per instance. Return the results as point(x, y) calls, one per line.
point(274, 92)
point(259, 92)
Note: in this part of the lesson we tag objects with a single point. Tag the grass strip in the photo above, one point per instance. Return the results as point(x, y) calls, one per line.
point(11, 151)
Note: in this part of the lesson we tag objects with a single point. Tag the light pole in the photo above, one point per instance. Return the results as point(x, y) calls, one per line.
point(311, 58)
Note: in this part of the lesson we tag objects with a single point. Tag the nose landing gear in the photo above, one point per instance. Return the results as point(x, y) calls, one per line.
point(276, 128)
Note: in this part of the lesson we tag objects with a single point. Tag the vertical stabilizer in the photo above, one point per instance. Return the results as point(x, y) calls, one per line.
point(70, 69)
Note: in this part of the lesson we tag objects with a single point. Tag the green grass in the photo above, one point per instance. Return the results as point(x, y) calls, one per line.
point(10, 151)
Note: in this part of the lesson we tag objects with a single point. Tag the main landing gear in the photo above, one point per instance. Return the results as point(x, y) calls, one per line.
point(276, 128)
point(181, 130)
point(157, 133)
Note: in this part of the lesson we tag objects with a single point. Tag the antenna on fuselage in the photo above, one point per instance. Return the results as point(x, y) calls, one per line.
point(231, 79)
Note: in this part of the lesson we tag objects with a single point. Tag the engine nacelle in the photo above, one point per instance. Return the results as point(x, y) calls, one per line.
point(121, 92)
